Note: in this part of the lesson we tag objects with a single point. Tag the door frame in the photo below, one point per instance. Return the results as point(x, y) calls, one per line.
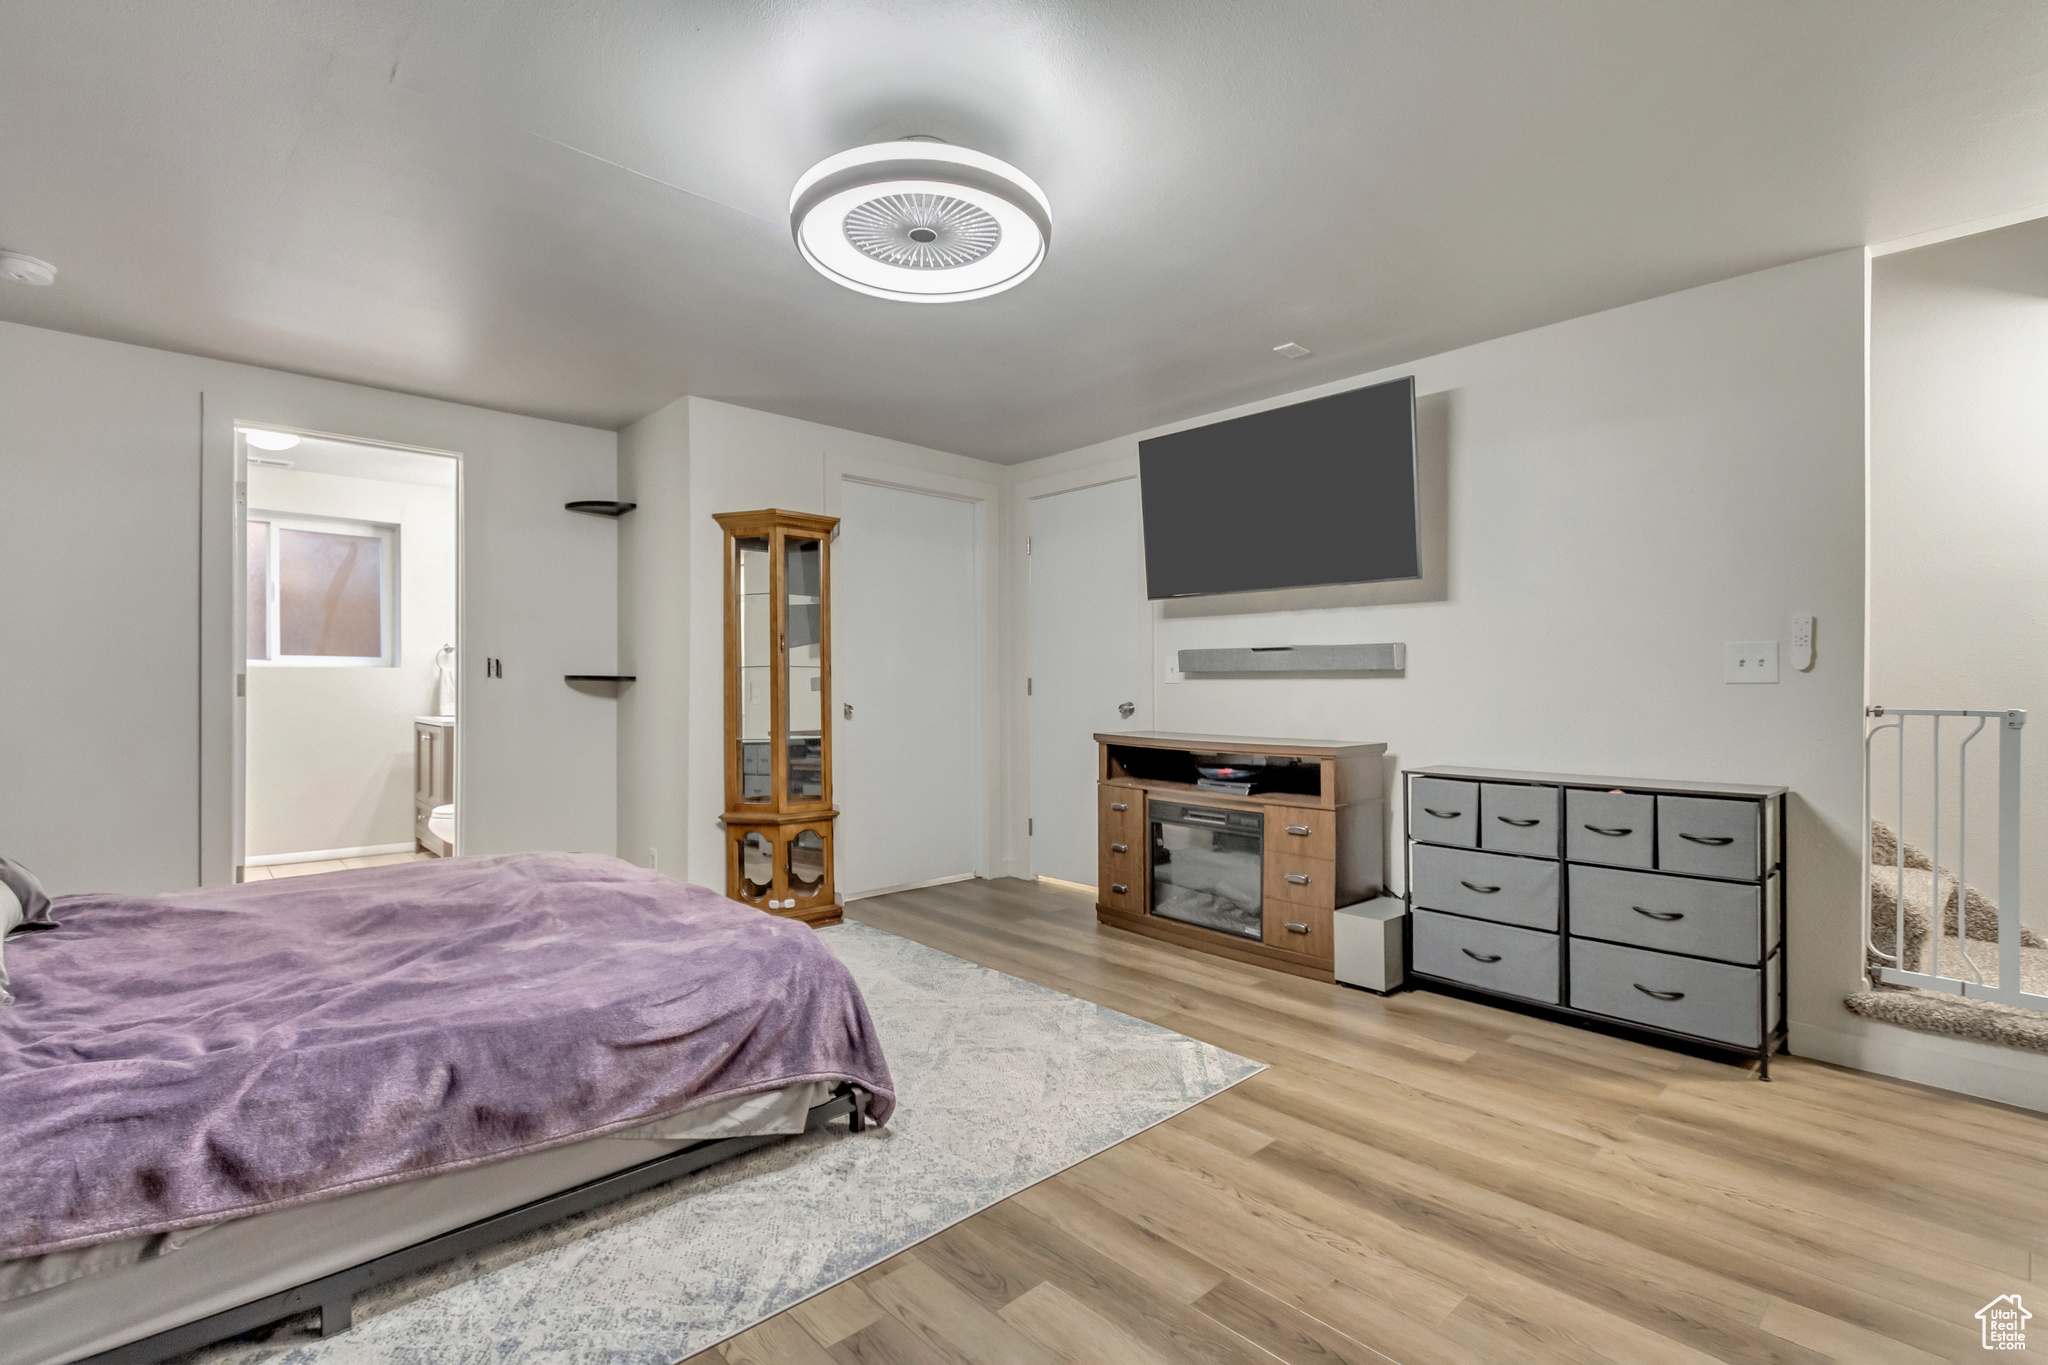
point(238, 619)
point(1113, 468)
point(985, 497)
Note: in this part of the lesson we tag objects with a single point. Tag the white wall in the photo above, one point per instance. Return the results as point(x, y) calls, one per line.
point(1624, 493)
point(685, 463)
point(330, 750)
point(117, 590)
point(1958, 502)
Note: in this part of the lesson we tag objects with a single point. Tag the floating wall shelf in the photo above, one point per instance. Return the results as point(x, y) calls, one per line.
point(599, 677)
point(1388, 658)
point(599, 508)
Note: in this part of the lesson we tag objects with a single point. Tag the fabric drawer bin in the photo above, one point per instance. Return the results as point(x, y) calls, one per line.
point(1609, 827)
point(1518, 819)
point(1709, 837)
point(1671, 914)
point(1491, 886)
point(1493, 957)
point(1444, 812)
point(1708, 1000)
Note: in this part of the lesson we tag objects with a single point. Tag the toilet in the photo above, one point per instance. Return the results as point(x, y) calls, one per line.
point(441, 824)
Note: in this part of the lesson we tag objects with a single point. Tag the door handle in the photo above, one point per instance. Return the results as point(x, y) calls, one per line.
point(1518, 824)
point(1665, 915)
point(1482, 890)
point(1610, 833)
point(1298, 878)
point(1296, 927)
point(1480, 957)
point(1660, 995)
point(1127, 710)
point(1118, 805)
point(1710, 840)
point(1126, 848)
point(1120, 888)
point(1297, 829)
point(1442, 814)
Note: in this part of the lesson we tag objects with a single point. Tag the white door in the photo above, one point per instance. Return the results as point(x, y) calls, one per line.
point(906, 657)
point(1090, 657)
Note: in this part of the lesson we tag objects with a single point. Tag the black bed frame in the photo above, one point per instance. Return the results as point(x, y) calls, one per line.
point(334, 1294)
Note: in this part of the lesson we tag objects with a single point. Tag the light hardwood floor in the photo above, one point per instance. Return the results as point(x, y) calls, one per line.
point(274, 871)
point(1430, 1181)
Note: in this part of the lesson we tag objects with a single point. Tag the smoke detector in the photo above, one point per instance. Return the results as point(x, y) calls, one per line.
point(26, 269)
point(920, 221)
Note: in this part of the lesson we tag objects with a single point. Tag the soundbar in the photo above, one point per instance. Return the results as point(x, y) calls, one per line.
point(1391, 658)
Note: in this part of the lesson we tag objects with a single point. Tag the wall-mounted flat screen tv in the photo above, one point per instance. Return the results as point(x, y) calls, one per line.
point(1313, 493)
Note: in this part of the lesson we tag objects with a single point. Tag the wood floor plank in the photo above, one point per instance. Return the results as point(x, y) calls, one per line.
point(836, 1314)
point(1429, 1179)
point(780, 1340)
point(1075, 1332)
point(1283, 1329)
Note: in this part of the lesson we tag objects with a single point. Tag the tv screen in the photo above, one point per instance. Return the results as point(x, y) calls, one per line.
point(1314, 493)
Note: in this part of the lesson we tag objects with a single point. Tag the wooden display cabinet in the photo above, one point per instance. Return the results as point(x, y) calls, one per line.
point(778, 707)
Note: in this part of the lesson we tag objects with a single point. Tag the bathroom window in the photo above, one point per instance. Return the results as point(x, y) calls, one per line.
point(322, 593)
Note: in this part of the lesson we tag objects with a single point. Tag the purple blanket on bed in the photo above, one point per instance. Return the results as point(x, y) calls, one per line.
point(211, 1054)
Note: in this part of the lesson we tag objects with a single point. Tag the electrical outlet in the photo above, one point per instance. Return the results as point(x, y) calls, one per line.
point(1749, 661)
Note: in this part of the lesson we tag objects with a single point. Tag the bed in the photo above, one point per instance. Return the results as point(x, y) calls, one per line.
point(225, 1106)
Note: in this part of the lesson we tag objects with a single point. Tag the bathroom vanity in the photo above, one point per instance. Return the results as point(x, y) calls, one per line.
point(1240, 847)
point(433, 779)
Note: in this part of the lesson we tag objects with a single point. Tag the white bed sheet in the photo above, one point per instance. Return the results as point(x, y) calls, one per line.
point(68, 1305)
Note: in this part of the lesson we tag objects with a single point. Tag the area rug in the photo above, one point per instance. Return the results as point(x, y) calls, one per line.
point(1000, 1084)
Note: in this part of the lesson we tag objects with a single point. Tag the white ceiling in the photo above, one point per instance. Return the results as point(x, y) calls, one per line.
point(579, 210)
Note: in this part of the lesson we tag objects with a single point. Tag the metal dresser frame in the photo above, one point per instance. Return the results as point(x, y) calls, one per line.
point(333, 1295)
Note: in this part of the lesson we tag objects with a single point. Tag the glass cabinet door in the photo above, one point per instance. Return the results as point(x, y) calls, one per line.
point(755, 607)
point(804, 659)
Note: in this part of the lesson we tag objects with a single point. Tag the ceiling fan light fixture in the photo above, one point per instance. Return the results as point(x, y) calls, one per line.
point(920, 221)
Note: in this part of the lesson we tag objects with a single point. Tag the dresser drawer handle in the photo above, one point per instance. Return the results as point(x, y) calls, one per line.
point(1660, 995)
point(1610, 833)
point(1119, 888)
point(1710, 840)
point(1518, 824)
point(1442, 814)
point(1664, 915)
point(1297, 829)
point(1480, 957)
point(1295, 926)
point(1482, 890)
point(1119, 848)
point(1118, 805)
point(1298, 878)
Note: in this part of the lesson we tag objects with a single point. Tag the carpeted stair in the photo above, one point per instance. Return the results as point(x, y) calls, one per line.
point(1922, 888)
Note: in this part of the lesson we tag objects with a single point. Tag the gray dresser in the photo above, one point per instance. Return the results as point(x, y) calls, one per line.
point(1654, 905)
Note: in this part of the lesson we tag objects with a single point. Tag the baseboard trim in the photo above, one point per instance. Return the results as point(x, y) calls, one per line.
point(909, 886)
point(325, 855)
point(1963, 1066)
point(1086, 889)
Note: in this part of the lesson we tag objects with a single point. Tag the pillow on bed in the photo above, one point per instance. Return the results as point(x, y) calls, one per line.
point(21, 902)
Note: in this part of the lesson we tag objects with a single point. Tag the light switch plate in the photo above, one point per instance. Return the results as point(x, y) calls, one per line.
point(1802, 643)
point(1173, 673)
point(1749, 661)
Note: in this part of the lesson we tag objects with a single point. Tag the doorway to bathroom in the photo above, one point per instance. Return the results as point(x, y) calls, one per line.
point(348, 740)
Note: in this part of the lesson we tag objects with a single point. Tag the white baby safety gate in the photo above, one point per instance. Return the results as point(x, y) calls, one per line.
point(1942, 802)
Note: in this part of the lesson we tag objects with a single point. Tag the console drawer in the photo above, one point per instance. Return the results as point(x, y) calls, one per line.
point(1709, 836)
point(1301, 929)
point(1442, 811)
point(1672, 914)
point(1494, 957)
point(1609, 827)
point(1708, 1000)
point(1518, 819)
point(1491, 886)
point(1300, 881)
point(1301, 831)
point(1125, 826)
